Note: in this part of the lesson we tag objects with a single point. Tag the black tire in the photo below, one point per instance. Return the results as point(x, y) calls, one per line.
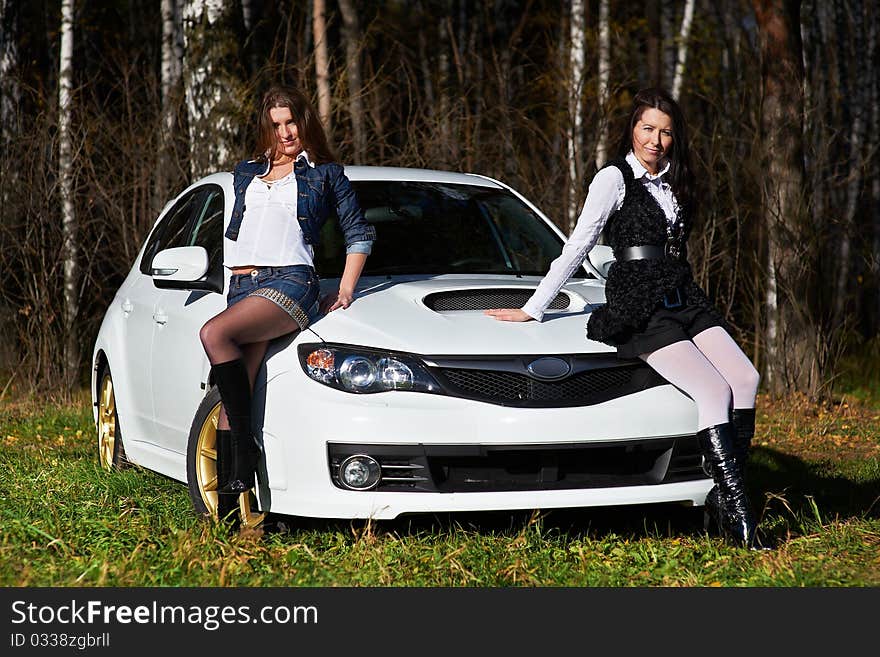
point(111, 451)
point(201, 469)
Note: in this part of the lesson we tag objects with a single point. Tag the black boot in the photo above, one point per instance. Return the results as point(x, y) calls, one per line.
point(744, 421)
point(225, 458)
point(235, 392)
point(225, 447)
point(713, 516)
point(718, 446)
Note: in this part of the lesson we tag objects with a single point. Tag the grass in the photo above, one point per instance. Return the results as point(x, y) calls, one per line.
point(814, 472)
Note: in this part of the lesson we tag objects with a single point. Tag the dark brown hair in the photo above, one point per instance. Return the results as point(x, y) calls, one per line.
point(681, 177)
point(308, 125)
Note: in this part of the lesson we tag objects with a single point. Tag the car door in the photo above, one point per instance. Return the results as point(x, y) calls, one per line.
point(138, 303)
point(179, 363)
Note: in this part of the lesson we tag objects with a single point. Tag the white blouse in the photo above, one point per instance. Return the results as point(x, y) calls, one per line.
point(604, 198)
point(270, 234)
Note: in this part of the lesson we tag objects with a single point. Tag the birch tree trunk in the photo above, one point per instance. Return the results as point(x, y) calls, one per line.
point(65, 176)
point(603, 79)
point(681, 58)
point(322, 63)
point(10, 93)
point(792, 332)
point(171, 75)
point(172, 61)
point(351, 34)
point(10, 96)
point(212, 85)
point(576, 67)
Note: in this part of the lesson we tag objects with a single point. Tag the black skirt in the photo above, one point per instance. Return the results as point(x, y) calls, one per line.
point(667, 326)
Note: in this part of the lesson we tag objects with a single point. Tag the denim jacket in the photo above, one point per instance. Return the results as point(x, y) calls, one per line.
point(322, 190)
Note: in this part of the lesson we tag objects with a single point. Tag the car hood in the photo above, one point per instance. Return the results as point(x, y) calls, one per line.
point(391, 313)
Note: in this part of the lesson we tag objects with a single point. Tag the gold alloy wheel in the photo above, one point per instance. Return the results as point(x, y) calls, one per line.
point(106, 422)
point(206, 473)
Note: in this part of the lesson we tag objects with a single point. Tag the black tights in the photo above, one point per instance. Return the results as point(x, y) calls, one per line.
point(244, 331)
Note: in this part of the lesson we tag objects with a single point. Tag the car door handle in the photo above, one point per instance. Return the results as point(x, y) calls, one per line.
point(160, 318)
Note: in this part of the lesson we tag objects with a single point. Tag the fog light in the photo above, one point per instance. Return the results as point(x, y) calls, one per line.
point(359, 472)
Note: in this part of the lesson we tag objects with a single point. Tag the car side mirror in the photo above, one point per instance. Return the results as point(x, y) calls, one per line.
point(601, 257)
point(182, 263)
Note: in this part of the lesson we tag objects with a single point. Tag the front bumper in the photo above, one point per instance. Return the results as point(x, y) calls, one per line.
point(486, 449)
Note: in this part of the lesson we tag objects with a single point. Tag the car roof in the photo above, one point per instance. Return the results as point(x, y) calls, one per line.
point(370, 173)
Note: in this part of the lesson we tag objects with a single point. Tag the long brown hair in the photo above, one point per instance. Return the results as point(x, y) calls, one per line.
point(681, 177)
point(308, 125)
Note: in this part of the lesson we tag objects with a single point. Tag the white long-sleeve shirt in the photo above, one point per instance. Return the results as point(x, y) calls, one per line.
point(604, 198)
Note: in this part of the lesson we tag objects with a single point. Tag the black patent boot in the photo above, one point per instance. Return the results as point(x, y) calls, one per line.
point(718, 446)
point(744, 421)
point(235, 392)
point(225, 447)
point(245, 456)
point(713, 517)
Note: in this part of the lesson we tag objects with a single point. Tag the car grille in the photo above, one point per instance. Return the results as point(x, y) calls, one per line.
point(514, 389)
point(486, 299)
point(476, 468)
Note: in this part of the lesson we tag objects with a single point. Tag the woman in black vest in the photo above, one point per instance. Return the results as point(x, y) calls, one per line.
point(655, 311)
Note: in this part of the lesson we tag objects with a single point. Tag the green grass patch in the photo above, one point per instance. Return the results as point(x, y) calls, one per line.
point(814, 475)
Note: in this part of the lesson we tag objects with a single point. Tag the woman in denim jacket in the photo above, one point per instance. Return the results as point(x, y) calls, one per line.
point(282, 198)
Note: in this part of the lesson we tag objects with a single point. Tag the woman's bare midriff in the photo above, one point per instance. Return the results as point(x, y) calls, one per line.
point(243, 270)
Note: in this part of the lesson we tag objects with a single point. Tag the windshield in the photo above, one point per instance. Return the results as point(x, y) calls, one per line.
point(442, 228)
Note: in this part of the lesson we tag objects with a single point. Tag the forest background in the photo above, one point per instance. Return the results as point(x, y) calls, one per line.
point(108, 109)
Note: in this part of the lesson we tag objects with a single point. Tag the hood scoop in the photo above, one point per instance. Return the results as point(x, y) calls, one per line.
point(486, 298)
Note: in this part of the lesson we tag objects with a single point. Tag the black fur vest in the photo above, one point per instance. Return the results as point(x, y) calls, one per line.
point(635, 288)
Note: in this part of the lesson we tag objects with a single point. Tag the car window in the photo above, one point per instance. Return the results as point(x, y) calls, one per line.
point(443, 228)
point(172, 230)
point(207, 229)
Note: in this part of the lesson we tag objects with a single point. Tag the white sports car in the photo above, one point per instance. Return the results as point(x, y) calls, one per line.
point(411, 400)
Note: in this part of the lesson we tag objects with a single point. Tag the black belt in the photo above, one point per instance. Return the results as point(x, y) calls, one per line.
point(671, 299)
point(640, 253)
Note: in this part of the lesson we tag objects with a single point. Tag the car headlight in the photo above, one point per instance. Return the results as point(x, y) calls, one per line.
point(362, 370)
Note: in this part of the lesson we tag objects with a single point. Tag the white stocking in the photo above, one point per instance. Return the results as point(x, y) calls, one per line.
point(732, 363)
point(688, 369)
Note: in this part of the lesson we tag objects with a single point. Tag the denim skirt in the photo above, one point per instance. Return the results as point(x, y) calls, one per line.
point(293, 288)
